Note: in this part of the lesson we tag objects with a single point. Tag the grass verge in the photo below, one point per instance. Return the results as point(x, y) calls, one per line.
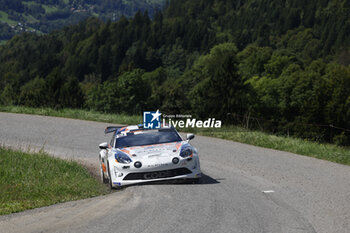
point(76, 114)
point(295, 145)
point(299, 146)
point(29, 181)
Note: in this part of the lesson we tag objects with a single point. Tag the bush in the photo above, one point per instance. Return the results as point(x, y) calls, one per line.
point(341, 140)
point(33, 93)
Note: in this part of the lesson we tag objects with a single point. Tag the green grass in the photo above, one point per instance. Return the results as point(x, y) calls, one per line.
point(4, 17)
point(147, 1)
point(30, 19)
point(29, 181)
point(30, 3)
point(295, 145)
point(323, 151)
point(49, 8)
point(76, 114)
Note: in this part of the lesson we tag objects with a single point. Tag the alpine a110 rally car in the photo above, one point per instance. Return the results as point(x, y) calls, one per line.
point(137, 155)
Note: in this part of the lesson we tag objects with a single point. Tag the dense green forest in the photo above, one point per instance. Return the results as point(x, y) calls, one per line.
point(43, 16)
point(280, 66)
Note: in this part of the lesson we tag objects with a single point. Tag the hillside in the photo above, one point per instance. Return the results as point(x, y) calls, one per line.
point(43, 16)
point(275, 65)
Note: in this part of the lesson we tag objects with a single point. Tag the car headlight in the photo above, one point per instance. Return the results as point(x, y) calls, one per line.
point(186, 151)
point(122, 157)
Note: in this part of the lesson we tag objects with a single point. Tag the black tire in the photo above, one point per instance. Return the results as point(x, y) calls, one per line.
point(109, 175)
point(104, 180)
point(110, 180)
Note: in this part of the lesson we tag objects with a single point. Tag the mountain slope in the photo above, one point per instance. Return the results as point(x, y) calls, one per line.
point(43, 16)
point(273, 65)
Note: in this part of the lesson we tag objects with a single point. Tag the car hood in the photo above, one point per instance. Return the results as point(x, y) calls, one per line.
point(153, 151)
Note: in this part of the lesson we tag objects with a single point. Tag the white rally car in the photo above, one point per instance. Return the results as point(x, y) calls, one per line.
point(137, 155)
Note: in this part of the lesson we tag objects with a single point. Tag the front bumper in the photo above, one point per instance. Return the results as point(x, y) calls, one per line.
point(187, 168)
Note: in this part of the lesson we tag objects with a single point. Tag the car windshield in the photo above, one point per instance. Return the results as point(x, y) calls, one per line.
point(148, 138)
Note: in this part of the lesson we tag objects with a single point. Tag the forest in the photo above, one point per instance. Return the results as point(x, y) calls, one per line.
point(43, 16)
point(278, 66)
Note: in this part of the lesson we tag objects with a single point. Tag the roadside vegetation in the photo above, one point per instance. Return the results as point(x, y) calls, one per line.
point(323, 151)
point(280, 66)
point(29, 181)
point(76, 114)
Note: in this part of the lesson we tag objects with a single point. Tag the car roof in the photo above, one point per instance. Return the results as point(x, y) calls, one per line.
point(137, 128)
point(123, 130)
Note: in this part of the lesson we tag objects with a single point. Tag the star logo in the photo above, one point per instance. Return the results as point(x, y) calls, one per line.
point(155, 115)
point(151, 120)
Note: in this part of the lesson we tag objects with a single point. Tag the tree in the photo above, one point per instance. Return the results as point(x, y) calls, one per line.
point(53, 84)
point(252, 60)
point(33, 93)
point(221, 89)
point(337, 88)
point(8, 95)
point(71, 94)
point(133, 92)
point(155, 80)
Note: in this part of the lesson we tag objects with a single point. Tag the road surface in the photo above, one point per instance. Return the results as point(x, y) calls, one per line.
point(309, 195)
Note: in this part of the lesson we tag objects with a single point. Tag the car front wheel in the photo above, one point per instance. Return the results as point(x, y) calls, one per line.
point(103, 178)
point(110, 180)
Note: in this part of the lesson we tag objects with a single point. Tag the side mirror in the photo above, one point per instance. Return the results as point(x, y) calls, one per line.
point(190, 136)
point(103, 146)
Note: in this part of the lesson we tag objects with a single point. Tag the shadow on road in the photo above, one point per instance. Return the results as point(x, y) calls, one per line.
point(203, 181)
point(208, 180)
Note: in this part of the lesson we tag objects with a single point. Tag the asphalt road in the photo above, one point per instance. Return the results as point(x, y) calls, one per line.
point(309, 195)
